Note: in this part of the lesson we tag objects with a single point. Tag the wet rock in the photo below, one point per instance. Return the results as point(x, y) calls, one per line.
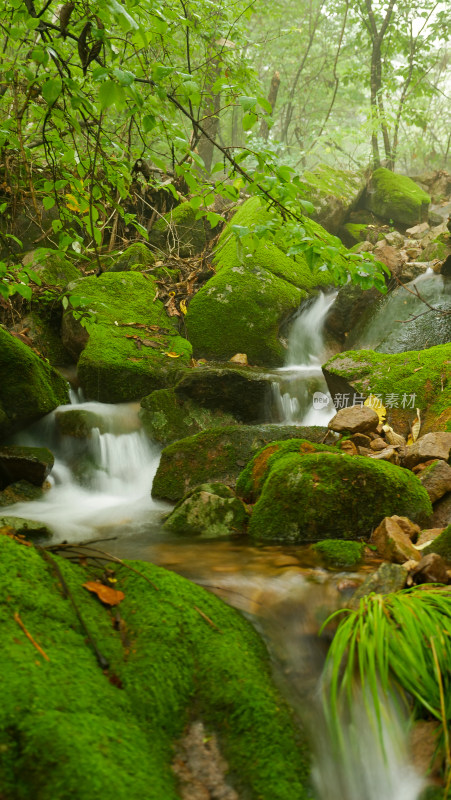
point(19, 492)
point(218, 454)
point(29, 386)
point(167, 416)
point(30, 528)
point(332, 495)
point(239, 390)
point(436, 479)
point(387, 579)
point(351, 302)
point(200, 766)
point(430, 569)
point(136, 257)
point(31, 464)
point(390, 256)
point(210, 511)
point(393, 543)
point(355, 419)
point(431, 445)
point(79, 423)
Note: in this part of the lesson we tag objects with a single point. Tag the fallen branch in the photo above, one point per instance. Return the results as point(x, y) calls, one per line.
point(29, 636)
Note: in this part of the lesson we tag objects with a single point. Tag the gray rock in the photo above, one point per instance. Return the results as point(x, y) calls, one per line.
point(442, 512)
point(431, 445)
point(418, 231)
point(210, 511)
point(436, 479)
point(355, 419)
point(387, 579)
point(239, 390)
point(395, 239)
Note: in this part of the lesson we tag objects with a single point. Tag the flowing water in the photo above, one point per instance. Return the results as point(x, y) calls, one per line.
point(301, 396)
point(100, 488)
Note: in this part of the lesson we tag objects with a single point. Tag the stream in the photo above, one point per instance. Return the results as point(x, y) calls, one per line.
point(100, 489)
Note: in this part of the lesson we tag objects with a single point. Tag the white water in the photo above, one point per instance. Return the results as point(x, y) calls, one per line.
point(300, 394)
point(101, 481)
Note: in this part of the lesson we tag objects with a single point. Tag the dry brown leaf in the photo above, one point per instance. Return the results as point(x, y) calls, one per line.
point(150, 343)
point(111, 597)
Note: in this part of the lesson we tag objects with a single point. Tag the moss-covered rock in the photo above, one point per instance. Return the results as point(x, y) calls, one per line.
point(29, 386)
point(30, 528)
point(240, 390)
point(210, 511)
point(333, 496)
point(339, 554)
point(55, 270)
point(441, 545)
point(396, 197)
point(121, 362)
point(167, 416)
point(136, 257)
point(18, 462)
point(218, 455)
point(333, 192)
point(179, 232)
point(439, 248)
point(70, 728)
point(79, 422)
point(20, 492)
point(423, 375)
point(243, 307)
point(253, 476)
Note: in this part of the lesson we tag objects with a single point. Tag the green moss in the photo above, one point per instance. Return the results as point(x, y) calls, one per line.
point(136, 257)
point(337, 553)
point(29, 386)
point(79, 423)
point(179, 231)
point(218, 455)
point(441, 545)
point(423, 373)
point(112, 368)
point(397, 197)
point(57, 270)
point(30, 528)
point(356, 232)
point(332, 495)
point(439, 248)
point(166, 416)
point(20, 492)
point(45, 319)
point(242, 308)
point(70, 729)
point(210, 511)
point(253, 476)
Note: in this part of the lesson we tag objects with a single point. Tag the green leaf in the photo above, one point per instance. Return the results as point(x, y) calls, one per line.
point(23, 289)
point(214, 218)
point(148, 123)
point(51, 90)
point(159, 71)
point(48, 202)
point(249, 121)
point(247, 103)
point(265, 104)
point(110, 94)
point(124, 77)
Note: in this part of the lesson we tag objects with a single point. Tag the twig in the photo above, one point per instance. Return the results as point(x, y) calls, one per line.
point(207, 619)
point(29, 636)
point(106, 557)
point(420, 297)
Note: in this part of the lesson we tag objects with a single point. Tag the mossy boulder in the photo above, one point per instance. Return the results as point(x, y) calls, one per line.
point(397, 198)
point(339, 554)
point(179, 232)
point(20, 492)
point(405, 381)
point(240, 390)
point(79, 422)
point(29, 528)
point(121, 359)
point(243, 308)
point(55, 270)
point(210, 511)
point(136, 257)
point(333, 496)
point(218, 455)
point(71, 727)
point(439, 249)
point(167, 416)
point(333, 192)
point(19, 462)
point(441, 545)
point(29, 386)
point(253, 476)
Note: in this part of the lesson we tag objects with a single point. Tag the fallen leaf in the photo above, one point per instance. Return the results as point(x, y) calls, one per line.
point(136, 360)
point(150, 343)
point(172, 355)
point(239, 358)
point(376, 404)
point(183, 307)
point(111, 597)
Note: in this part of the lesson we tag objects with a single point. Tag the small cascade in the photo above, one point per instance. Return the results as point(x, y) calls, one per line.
point(103, 479)
point(300, 395)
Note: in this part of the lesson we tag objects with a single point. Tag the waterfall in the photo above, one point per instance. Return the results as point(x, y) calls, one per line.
point(103, 479)
point(300, 393)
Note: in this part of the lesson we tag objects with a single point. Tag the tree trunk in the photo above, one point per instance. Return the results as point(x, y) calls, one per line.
point(272, 99)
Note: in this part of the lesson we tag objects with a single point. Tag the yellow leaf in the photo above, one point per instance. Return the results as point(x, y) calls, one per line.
point(416, 426)
point(172, 355)
point(239, 358)
point(74, 205)
point(111, 597)
point(183, 307)
point(376, 404)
